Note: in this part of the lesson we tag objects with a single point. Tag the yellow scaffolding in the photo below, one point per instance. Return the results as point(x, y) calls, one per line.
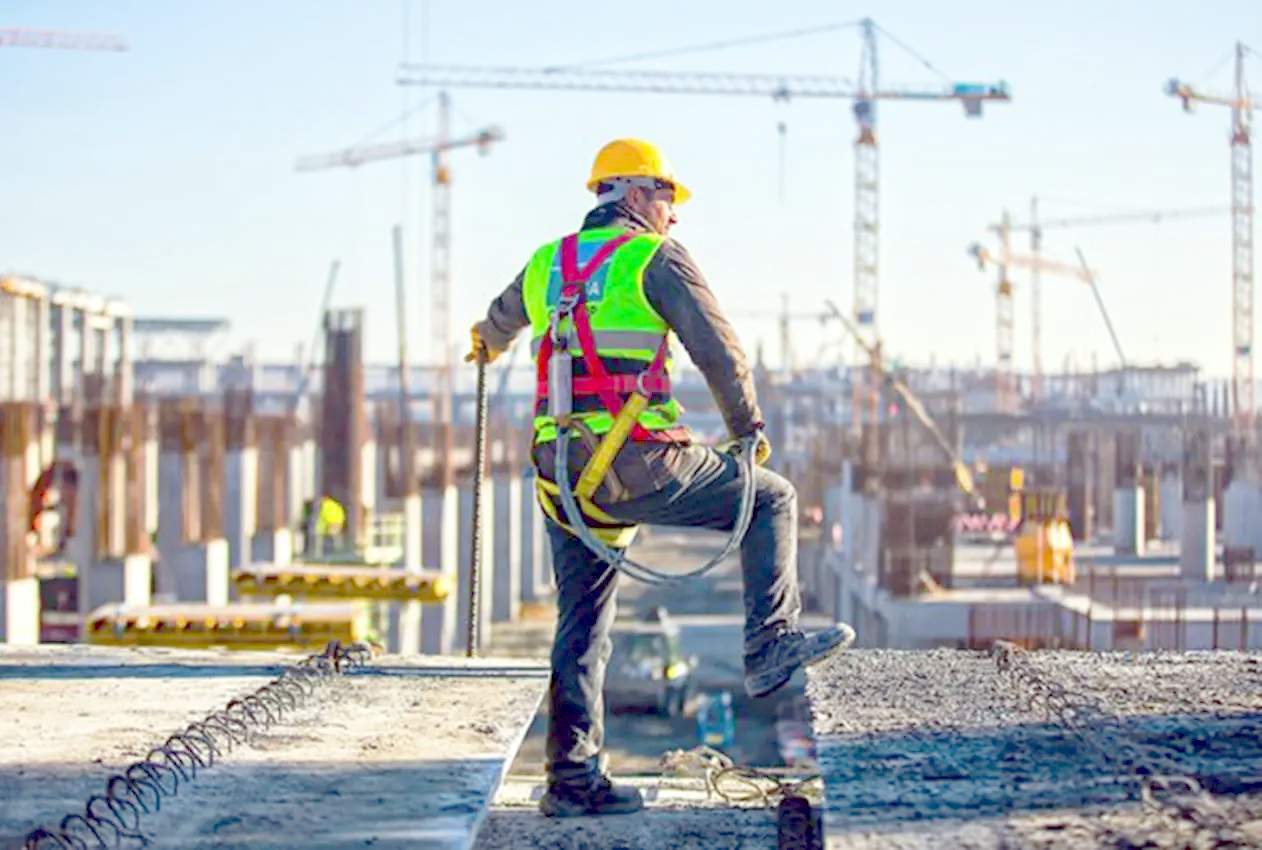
point(339, 581)
point(235, 626)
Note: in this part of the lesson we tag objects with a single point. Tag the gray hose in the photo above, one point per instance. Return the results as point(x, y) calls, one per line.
point(618, 558)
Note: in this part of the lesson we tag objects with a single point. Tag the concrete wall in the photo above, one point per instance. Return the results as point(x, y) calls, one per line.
point(440, 549)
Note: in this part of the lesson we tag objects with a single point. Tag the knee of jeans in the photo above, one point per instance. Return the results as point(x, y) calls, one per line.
point(776, 492)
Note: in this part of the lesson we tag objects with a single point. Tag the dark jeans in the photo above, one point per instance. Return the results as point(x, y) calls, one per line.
point(705, 493)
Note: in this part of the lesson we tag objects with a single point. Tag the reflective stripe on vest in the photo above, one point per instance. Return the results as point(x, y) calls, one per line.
point(611, 343)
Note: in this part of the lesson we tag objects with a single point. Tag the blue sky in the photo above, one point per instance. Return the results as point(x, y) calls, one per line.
point(164, 174)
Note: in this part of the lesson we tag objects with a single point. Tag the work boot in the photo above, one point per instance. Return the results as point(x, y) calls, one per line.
point(774, 664)
point(598, 797)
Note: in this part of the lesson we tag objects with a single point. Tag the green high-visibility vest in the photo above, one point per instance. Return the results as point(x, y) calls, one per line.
point(626, 329)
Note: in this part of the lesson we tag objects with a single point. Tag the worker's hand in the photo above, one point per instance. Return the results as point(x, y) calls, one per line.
point(762, 448)
point(477, 343)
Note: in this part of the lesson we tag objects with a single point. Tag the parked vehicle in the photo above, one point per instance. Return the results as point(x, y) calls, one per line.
point(647, 668)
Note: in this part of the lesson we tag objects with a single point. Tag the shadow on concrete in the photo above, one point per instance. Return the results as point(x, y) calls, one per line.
point(437, 803)
point(678, 829)
point(915, 775)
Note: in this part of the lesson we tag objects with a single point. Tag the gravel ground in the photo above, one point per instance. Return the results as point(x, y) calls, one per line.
point(926, 749)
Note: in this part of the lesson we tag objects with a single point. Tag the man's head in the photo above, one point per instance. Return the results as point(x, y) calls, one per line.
point(636, 173)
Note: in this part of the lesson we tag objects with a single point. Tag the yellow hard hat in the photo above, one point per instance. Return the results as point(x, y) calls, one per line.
point(635, 158)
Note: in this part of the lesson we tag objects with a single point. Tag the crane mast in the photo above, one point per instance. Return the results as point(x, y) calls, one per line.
point(865, 94)
point(438, 148)
point(440, 295)
point(1242, 249)
point(1242, 105)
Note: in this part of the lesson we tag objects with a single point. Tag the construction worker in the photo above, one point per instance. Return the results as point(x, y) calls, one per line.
point(634, 286)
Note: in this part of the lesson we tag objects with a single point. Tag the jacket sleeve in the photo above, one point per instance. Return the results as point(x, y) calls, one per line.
point(505, 317)
point(677, 290)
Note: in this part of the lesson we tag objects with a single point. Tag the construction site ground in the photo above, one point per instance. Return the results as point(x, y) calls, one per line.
point(944, 749)
point(680, 813)
point(405, 753)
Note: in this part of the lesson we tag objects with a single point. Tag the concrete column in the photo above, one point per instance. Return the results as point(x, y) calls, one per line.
point(1196, 546)
point(505, 604)
point(201, 572)
point(440, 550)
point(171, 521)
point(1242, 516)
point(1128, 495)
point(240, 475)
point(273, 547)
point(82, 549)
point(19, 589)
point(409, 614)
point(240, 520)
point(126, 580)
point(1128, 520)
point(536, 567)
point(1196, 526)
point(19, 611)
point(1170, 505)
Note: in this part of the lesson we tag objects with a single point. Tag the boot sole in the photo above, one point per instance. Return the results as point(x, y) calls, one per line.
point(550, 808)
point(758, 689)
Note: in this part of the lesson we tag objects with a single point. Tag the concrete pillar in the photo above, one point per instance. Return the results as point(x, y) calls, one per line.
point(1128, 496)
point(1170, 502)
point(241, 475)
point(1242, 516)
point(82, 549)
point(19, 589)
point(1128, 520)
point(440, 550)
point(240, 491)
point(536, 563)
point(1196, 526)
point(506, 532)
point(125, 580)
point(1196, 546)
point(273, 547)
point(201, 572)
point(19, 611)
point(410, 614)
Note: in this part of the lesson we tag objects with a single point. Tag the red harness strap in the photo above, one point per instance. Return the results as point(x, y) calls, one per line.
point(610, 388)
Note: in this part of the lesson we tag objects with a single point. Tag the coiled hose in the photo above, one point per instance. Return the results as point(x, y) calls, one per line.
point(617, 558)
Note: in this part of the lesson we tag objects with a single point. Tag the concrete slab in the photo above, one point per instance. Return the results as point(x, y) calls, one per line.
point(933, 749)
point(678, 814)
point(405, 753)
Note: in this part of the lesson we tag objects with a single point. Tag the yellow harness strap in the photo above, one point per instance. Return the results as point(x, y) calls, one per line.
point(598, 464)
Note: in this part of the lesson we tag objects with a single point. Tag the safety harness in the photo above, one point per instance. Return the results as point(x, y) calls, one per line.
point(625, 397)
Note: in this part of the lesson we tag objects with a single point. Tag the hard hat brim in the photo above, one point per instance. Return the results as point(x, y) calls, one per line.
point(682, 192)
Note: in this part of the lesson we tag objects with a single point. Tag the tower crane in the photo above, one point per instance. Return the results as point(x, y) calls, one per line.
point(865, 93)
point(1242, 106)
point(1004, 312)
point(1007, 259)
point(440, 261)
point(60, 39)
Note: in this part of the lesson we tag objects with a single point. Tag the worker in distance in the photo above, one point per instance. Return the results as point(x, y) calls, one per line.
point(600, 305)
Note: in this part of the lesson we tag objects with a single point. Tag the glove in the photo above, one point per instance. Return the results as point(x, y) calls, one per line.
point(477, 343)
point(762, 448)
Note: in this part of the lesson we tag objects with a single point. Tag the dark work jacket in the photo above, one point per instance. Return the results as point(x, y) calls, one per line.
point(677, 290)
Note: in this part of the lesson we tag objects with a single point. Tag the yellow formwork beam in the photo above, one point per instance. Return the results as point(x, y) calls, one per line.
point(337, 581)
point(235, 626)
